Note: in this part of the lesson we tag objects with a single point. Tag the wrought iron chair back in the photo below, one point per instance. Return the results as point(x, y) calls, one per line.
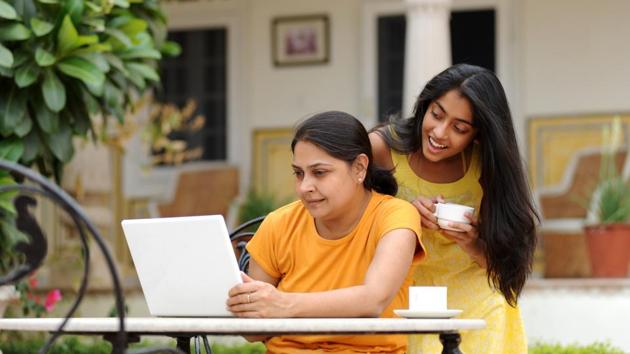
point(239, 237)
point(32, 183)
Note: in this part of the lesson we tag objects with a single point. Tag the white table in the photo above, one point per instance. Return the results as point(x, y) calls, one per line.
point(184, 328)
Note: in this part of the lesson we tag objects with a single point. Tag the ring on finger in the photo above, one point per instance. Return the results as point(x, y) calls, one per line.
point(249, 300)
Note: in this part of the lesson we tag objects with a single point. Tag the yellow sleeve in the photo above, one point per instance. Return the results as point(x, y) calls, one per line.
point(263, 245)
point(400, 214)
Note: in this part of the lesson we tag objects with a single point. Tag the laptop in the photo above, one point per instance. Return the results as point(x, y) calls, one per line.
point(186, 265)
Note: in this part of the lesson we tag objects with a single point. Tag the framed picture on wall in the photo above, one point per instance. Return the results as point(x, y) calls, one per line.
point(300, 40)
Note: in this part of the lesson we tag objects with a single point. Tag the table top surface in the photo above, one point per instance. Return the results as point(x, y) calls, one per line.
point(231, 326)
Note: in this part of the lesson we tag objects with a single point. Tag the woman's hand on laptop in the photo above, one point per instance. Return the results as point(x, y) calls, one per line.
point(254, 298)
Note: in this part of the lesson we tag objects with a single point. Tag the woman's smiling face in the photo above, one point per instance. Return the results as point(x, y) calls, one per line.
point(447, 128)
point(327, 186)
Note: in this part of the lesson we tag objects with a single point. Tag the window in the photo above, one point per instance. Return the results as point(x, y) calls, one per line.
point(473, 39)
point(199, 73)
point(391, 65)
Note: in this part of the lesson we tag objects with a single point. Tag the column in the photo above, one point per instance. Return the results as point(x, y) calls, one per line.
point(427, 46)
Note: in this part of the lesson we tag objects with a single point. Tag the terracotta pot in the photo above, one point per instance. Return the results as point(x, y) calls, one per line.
point(609, 250)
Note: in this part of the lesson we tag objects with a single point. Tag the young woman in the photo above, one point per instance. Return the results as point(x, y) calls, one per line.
point(459, 146)
point(345, 249)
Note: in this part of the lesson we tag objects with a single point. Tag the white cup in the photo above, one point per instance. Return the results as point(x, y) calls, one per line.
point(450, 212)
point(427, 298)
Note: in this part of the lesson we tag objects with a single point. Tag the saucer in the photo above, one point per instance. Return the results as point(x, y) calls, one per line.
point(407, 313)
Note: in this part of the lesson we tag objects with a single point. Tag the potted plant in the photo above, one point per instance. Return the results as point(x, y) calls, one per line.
point(608, 228)
point(62, 63)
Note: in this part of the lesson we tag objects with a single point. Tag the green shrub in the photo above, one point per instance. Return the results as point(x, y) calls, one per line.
point(18, 344)
point(595, 348)
point(65, 345)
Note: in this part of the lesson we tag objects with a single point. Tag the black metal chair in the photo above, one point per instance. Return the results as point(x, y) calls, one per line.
point(32, 183)
point(240, 236)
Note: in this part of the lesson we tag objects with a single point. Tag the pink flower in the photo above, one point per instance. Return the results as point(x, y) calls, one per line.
point(32, 281)
point(53, 297)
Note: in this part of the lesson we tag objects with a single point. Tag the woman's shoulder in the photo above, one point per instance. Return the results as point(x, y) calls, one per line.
point(393, 213)
point(286, 215)
point(387, 204)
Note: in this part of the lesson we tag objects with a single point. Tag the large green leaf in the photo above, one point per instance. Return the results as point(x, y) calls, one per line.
point(141, 52)
point(24, 127)
point(41, 27)
point(91, 104)
point(7, 11)
point(27, 74)
point(6, 72)
point(6, 57)
point(97, 23)
point(83, 70)
point(53, 91)
point(47, 120)
point(93, 48)
point(137, 79)
point(60, 143)
point(7, 207)
point(93, 7)
point(121, 3)
point(115, 61)
point(81, 122)
point(144, 70)
point(134, 26)
point(74, 8)
point(14, 31)
point(172, 49)
point(85, 40)
point(67, 37)
point(96, 90)
point(44, 58)
point(11, 149)
point(32, 147)
point(13, 108)
point(118, 38)
point(143, 39)
point(97, 59)
point(121, 18)
point(25, 9)
point(20, 56)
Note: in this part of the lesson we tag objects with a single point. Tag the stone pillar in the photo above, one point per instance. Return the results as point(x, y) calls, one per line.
point(427, 47)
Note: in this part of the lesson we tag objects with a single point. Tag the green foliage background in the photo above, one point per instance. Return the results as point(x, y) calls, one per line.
point(91, 345)
point(62, 64)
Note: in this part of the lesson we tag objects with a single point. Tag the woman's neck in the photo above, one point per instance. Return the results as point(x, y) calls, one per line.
point(338, 227)
point(444, 171)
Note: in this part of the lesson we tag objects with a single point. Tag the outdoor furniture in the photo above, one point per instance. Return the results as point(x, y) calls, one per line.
point(239, 237)
point(185, 328)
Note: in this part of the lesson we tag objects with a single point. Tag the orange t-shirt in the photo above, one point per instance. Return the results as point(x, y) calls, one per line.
point(287, 246)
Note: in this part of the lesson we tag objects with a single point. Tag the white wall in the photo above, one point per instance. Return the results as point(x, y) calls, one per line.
point(577, 315)
point(280, 96)
point(576, 56)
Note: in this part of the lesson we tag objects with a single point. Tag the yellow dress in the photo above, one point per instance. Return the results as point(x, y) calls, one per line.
point(446, 264)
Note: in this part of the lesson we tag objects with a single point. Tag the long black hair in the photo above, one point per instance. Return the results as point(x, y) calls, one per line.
point(507, 217)
point(343, 137)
